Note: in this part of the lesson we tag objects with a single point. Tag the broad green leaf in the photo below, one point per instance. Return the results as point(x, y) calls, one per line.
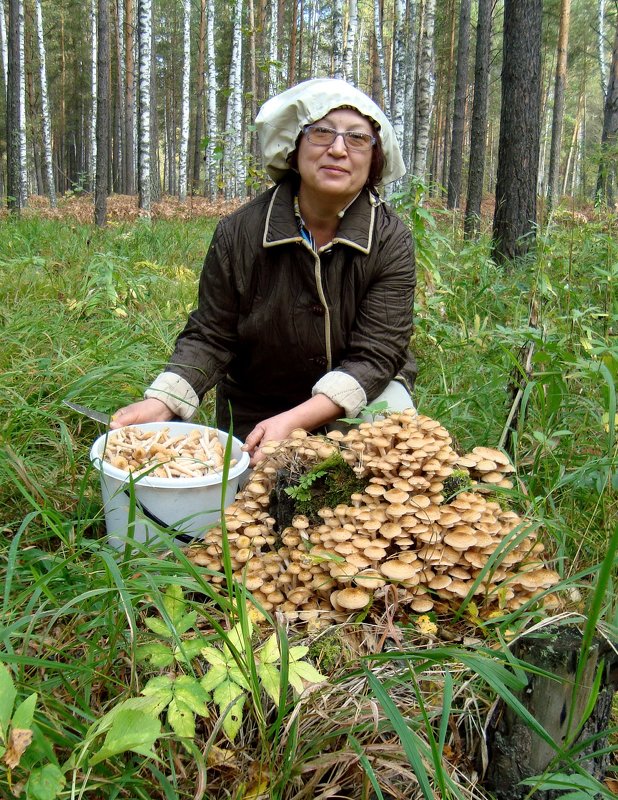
point(295, 680)
point(22, 718)
point(215, 676)
point(185, 622)
point(181, 719)
point(270, 677)
point(131, 730)
point(189, 650)
point(161, 684)
point(174, 602)
point(226, 693)
point(214, 657)
point(158, 626)
point(159, 655)
point(233, 719)
point(269, 654)
point(45, 783)
point(237, 675)
point(298, 652)
point(306, 671)
point(7, 698)
point(152, 704)
point(189, 691)
point(235, 636)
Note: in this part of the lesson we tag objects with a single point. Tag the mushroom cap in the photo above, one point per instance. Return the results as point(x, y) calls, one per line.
point(421, 604)
point(397, 570)
point(369, 579)
point(396, 496)
point(353, 598)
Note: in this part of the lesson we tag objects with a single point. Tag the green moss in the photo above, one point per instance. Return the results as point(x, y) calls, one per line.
point(326, 652)
point(458, 481)
point(328, 483)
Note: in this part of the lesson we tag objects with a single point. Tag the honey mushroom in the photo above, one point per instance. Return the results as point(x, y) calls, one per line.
point(400, 530)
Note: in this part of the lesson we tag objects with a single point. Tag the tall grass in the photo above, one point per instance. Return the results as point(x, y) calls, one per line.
point(91, 315)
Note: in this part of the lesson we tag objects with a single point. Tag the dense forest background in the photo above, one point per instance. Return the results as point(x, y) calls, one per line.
point(169, 90)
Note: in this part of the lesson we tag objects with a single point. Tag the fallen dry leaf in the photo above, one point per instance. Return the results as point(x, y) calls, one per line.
point(19, 741)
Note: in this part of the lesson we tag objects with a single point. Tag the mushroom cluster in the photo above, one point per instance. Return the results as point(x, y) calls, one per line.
point(401, 531)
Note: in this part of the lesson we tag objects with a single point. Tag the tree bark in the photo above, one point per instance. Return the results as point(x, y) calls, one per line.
point(103, 113)
point(607, 165)
point(478, 128)
point(13, 113)
point(459, 108)
point(4, 52)
point(518, 153)
point(129, 110)
point(212, 164)
point(184, 116)
point(559, 705)
point(47, 152)
point(93, 89)
point(144, 38)
point(553, 181)
point(425, 85)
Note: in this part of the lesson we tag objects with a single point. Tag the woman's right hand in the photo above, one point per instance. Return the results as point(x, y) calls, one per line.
point(151, 410)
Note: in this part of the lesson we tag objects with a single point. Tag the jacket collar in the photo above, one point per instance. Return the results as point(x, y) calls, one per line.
point(355, 229)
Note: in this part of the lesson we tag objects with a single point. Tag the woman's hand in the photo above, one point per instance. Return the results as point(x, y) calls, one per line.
point(309, 415)
point(151, 410)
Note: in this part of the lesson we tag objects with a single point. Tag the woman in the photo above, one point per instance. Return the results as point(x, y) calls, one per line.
point(306, 295)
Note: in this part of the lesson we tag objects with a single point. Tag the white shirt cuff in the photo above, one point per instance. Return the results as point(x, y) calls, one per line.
point(176, 393)
point(343, 390)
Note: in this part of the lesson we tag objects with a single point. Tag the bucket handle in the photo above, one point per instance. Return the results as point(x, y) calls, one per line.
point(185, 538)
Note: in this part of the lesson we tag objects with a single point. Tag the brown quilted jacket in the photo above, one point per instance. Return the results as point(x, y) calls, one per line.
point(273, 316)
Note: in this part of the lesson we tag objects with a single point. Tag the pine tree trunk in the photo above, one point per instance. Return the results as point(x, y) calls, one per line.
point(518, 156)
point(607, 165)
point(293, 44)
point(198, 129)
point(13, 113)
point(553, 181)
point(445, 90)
point(459, 108)
point(478, 127)
point(47, 145)
point(424, 90)
point(184, 117)
point(103, 113)
point(144, 12)
point(119, 109)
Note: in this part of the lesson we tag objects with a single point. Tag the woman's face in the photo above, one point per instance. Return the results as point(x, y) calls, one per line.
point(333, 171)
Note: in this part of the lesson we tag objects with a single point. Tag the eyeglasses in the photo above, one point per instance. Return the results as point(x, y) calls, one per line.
point(353, 140)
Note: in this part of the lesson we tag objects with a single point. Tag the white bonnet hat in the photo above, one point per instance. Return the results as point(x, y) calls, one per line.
point(282, 118)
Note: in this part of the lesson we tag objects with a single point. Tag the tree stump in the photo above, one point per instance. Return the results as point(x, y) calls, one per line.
point(515, 751)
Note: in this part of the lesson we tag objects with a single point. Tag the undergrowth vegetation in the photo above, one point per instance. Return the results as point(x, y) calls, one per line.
point(132, 676)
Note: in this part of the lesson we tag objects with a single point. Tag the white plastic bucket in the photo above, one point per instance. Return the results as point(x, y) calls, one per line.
point(187, 506)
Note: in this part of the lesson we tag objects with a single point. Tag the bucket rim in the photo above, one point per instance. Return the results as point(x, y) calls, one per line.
point(153, 481)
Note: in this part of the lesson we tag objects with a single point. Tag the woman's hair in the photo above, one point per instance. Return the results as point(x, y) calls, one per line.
point(378, 159)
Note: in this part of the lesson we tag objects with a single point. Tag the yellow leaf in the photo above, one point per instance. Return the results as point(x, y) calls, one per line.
point(221, 755)
point(257, 791)
point(425, 625)
point(19, 741)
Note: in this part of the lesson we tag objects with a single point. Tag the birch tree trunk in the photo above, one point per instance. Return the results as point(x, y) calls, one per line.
point(553, 180)
point(103, 113)
point(350, 42)
point(609, 137)
point(13, 114)
point(338, 43)
point(410, 87)
point(518, 157)
point(478, 127)
point(424, 89)
point(398, 87)
point(459, 107)
point(129, 108)
point(184, 117)
point(23, 146)
point(377, 29)
point(4, 46)
point(144, 33)
point(273, 42)
point(234, 165)
point(93, 87)
point(47, 151)
point(212, 164)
